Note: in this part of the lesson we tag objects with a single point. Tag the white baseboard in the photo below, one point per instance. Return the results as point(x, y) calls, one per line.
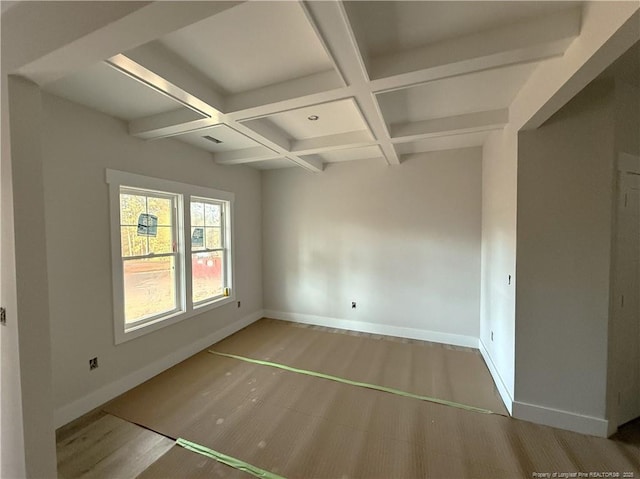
point(570, 421)
point(387, 330)
point(77, 408)
point(497, 378)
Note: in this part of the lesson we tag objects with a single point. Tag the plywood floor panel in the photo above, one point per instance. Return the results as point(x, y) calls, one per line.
point(445, 372)
point(183, 464)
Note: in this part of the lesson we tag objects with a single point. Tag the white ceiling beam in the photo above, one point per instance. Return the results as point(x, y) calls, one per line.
point(522, 42)
point(266, 129)
point(332, 24)
point(99, 30)
point(315, 165)
point(452, 125)
point(155, 57)
point(287, 105)
point(326, 48)
point(351, 139)
point(261, 131)
point(498, 60)
point(168, 124)
point(428, 154)
point(153, 80)
point(608, 30)
point(291, 89)
point(245, 155)
point(269, 135)
point(442, 143)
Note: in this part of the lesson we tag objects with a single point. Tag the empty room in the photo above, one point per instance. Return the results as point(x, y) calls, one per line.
point(320, 239)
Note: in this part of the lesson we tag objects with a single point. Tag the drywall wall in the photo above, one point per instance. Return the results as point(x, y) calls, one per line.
point(565, 185)
point(12, 460)
point(78, 145)
point(497, 310)
point(607, 30)
point(403, 243)
point(627, 133)
point(31, 32)
point(28, 383)
point(622, 347)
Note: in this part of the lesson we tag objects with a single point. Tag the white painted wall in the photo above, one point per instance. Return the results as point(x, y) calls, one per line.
point(608, 29)
point(28, 441)
point(78, 145)
point(565, 191)
point(497, 311)
point(404, 243)
point(627, 104)
point(12, 461)
point(622, 345)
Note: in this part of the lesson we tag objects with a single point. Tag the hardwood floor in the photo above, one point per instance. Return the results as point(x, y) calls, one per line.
point(99, 445)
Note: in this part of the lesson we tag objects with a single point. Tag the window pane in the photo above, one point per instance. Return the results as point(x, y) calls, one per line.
point(197, 214)
point(208, 274)
point(212, 237)
point(162, 208)
point(197, 238)
point(132, 243)
point(212, 214)
point(149, 287)
point(162, 242)
point(131, 206)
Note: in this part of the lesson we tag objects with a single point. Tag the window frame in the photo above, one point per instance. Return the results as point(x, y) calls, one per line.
point(178, 284)
point(184, 193)
point(225, 240)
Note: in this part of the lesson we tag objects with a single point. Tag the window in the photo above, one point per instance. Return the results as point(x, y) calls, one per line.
point(208, 249)
point(171, 252)
point(148, 240)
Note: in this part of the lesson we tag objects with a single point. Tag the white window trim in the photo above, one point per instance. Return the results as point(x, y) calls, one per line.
point(116, 179)
point(226, 243)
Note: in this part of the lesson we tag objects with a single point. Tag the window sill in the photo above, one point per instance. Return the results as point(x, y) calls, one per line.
point(126, 334)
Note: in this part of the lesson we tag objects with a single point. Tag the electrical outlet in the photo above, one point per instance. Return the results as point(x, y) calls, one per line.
point(238, 304)
point(3, 316)
point(353, 305)
point(93, 364)
point(491, 335)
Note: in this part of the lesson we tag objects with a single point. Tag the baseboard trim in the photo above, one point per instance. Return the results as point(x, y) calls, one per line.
point(497, 378)
point(77, 408)
point(387, 330)
point(570, 421)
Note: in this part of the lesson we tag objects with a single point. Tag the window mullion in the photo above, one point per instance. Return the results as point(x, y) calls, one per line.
point(188, 263)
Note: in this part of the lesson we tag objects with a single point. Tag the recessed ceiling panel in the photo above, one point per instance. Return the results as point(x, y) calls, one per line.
point(218, 138)
point(352, 154)
point(252, 45)
point(487, 90)
point(385, 28)
point(316, 121)
point(442, 143)
point(110, 91)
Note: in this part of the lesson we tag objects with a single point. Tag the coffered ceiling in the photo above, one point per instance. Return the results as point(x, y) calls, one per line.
point(306, 83)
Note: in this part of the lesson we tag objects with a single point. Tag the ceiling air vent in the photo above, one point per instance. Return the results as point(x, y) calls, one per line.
point(210, 138)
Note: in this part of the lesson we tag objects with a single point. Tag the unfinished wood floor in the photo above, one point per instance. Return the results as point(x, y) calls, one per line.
point(303, 427)
point(100, 445)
